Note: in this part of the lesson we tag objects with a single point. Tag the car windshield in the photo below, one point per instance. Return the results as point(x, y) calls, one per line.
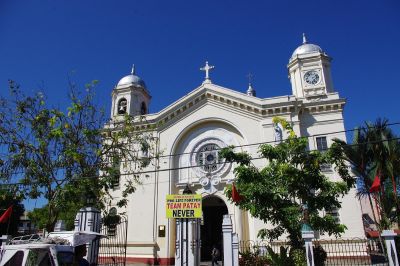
point(39, 257)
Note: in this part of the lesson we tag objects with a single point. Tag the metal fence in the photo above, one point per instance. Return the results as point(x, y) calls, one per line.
point(339, 252)
point(112, 250)
point(354, 251)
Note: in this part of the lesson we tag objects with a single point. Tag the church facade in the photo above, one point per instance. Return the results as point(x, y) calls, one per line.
point(192, 129)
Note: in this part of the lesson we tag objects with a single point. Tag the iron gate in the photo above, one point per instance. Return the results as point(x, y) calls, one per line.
point(112, 250)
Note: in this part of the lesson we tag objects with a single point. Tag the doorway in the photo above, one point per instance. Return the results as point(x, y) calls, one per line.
point(214, 209)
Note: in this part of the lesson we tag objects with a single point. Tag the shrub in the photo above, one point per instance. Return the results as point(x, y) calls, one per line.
point(253, 258)
point(298, 257)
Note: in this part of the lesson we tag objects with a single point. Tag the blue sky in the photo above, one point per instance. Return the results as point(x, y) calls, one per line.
point(42, 42)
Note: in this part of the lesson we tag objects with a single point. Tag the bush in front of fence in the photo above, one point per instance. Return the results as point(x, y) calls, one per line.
point(253, 258)
point(295, 257)
point(298, 256)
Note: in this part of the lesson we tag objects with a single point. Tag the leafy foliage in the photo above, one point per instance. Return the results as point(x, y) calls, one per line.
point(281, 258)
point(376, 151)
point(67, 155)
point(253, 258)
point(275, 194)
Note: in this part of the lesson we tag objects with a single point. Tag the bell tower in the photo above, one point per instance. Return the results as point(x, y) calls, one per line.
point(130, 97)
point(310, 71)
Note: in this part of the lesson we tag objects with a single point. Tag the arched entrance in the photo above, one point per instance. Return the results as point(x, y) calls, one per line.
point(214, 209)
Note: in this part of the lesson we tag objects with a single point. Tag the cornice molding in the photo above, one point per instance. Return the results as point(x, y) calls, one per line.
point(241, 103)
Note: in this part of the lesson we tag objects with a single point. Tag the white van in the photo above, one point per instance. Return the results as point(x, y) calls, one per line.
point(57, 249)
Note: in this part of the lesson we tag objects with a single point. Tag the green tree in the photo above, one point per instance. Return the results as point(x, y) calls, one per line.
point(375, 151)
point(8, 197)
point(67, 155)
point(39, 217)
point(292, 177)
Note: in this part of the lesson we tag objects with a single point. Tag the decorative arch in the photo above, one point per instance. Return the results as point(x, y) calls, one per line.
point(196, 139)
point(186, 130)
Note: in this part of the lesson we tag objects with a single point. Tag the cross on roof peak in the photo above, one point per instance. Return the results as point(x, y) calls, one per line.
point(207, 69)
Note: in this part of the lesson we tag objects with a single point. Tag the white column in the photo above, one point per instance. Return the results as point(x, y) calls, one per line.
point(89, 219)
point(308, 236)
point(389, 235)
point(235, 247)
point(192, 243)
point(178, 243)
point(227, 237)
point(198, 240)
point(238, 222)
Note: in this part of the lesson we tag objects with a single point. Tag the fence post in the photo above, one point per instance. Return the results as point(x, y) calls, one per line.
point(227, 237)
point(89, 219)
point(389, 235)
point(308, 236)
point(235, 247)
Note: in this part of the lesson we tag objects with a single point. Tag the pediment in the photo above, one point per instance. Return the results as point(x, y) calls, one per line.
point(218, 95)
point(241, 103)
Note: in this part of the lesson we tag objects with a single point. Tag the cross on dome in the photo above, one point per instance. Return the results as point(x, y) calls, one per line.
point(133, 69)
point(250, 91)
point(207, 69)
point(304, 38)
point(250, 77)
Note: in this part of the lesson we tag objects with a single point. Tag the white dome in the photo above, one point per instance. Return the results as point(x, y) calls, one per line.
point(306, 48)
point(132, 79)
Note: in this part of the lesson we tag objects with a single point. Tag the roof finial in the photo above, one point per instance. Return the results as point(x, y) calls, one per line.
point(304, 38)
point(133, 69)
point(250, 77)
point(207, 68)
point(250, 91)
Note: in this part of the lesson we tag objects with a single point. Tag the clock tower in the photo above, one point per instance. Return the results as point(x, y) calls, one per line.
point(309, 71)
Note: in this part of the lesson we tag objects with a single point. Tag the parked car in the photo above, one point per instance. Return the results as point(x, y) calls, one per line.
point(57, 249)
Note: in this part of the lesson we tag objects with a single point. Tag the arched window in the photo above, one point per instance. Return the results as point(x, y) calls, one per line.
point(115, 173)
point(122, 106)
point(143, 108)
point(112, 221)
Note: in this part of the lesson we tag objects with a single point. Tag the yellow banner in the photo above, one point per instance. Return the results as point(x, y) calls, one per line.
point(183, 206)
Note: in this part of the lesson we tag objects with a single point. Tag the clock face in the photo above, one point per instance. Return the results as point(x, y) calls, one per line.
point(311, 77)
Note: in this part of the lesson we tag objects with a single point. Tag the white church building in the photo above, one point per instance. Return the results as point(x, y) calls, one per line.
point(192, 129)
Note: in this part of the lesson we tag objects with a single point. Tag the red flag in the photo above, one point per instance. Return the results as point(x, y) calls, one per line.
point(375, 185)
point(236, 197)
point(6, 215)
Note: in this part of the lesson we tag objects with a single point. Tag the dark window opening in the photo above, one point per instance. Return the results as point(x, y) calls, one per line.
point(143, 108)
point(16, 259)
point(122, 106)
point(116, 173)
point(322, 144)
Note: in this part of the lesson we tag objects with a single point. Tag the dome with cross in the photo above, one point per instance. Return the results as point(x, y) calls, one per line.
point(306, 48)
point(132, 79)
